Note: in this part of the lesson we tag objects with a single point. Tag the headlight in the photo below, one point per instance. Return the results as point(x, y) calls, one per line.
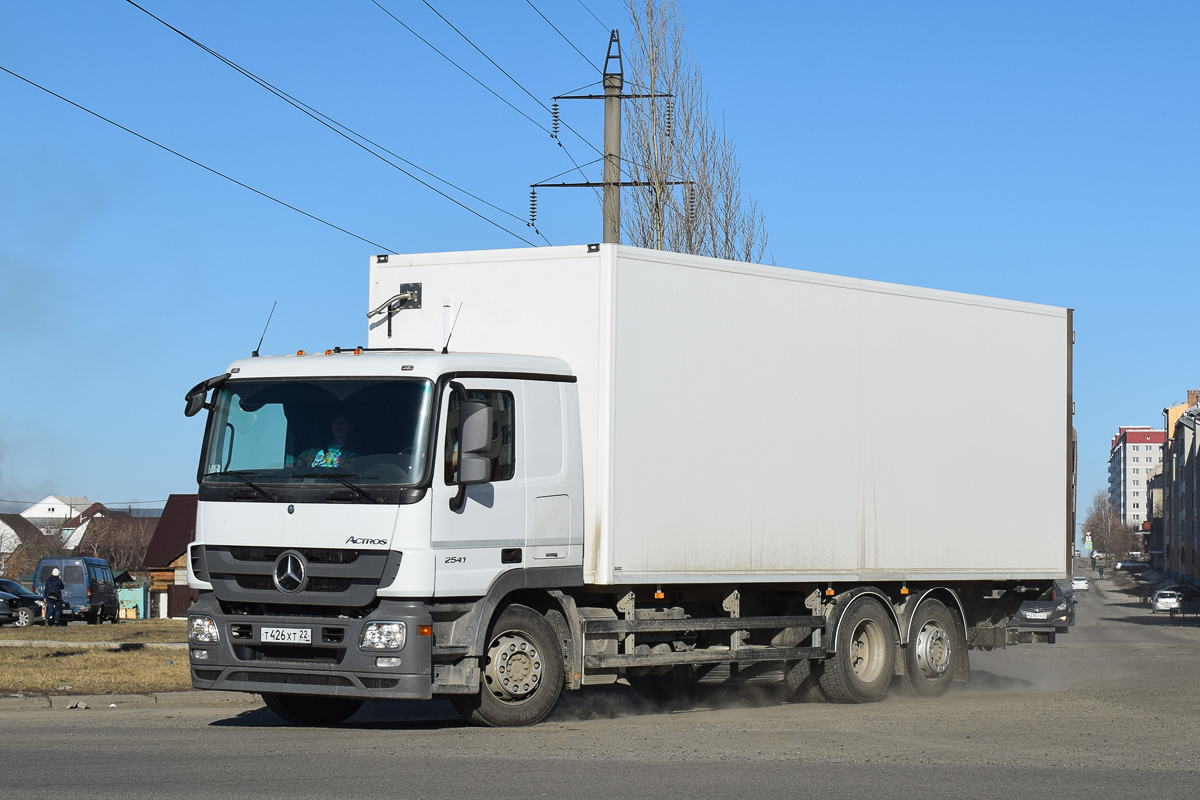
point(40, 602)
point(1062, 606)
point(202, 630)
point(382, 636)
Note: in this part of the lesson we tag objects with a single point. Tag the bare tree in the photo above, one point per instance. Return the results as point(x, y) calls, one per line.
point(119, 540)
point(1103, 520)
point(674, 139)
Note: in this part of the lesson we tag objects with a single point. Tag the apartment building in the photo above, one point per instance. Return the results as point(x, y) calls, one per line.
point(1135, 451)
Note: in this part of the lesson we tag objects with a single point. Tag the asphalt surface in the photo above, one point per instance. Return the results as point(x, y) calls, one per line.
point(1109, 711)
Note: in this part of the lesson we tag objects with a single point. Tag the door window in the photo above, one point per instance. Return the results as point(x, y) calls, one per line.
point(502, 452)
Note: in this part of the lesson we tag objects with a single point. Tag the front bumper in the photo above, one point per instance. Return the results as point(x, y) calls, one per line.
point(332, 665)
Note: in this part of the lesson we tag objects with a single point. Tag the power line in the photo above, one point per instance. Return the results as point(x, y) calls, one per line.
point(534, 97)
point(349, 134)
point(565, 39)
point(464, 70)
point(585, 8)
point(197, 163)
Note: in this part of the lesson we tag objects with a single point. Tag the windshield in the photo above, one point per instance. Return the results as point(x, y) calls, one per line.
point(12, 587)
point(372, 430)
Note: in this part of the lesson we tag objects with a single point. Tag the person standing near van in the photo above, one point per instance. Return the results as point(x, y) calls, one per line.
point(52, 594)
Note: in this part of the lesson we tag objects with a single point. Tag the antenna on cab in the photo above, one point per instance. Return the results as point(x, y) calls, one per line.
point(264, 333)
point(446, 346)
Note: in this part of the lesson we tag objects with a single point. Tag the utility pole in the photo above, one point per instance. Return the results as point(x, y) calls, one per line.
point(614, 83)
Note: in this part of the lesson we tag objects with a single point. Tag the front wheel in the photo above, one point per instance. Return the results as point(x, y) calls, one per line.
point(522, 672)
point(860, 668)
point(309, 710)
point(24, 617)
point(932, 647)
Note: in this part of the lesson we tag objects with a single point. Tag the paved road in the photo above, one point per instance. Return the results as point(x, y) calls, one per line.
point(1110, 711)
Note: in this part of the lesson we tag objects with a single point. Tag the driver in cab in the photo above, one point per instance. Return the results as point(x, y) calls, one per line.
point(333, 454)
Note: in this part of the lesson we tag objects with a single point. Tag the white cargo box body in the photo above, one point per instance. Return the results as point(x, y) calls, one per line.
point(750, 423)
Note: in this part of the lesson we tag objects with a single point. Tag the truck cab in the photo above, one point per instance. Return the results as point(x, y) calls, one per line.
point(349, 497)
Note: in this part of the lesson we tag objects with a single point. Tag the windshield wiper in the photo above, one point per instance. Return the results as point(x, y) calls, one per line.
point(344, 479)
point(241, 476)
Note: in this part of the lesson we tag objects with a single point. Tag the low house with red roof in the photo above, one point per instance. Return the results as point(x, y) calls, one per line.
point(166, 557)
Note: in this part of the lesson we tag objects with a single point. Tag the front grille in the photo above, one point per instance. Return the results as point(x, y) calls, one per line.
point(298, 680)
point(319, 584)
point(241, 631)
point(207, 674)
point(315, 555)
point(379, 683)
point(290, 653)
point(260, 582)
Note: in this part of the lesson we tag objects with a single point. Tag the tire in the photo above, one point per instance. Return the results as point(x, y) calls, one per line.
point(24, 617)
point(312, 711)
point(522, 672)
point(933, 645)
point(860, 669)
point(803, 678)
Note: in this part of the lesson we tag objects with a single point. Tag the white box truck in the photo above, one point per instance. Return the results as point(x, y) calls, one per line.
point(559, 467)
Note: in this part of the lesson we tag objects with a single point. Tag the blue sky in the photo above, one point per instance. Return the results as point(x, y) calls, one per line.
point(1041, 152)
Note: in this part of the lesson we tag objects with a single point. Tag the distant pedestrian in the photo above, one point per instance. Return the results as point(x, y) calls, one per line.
point(52, 594)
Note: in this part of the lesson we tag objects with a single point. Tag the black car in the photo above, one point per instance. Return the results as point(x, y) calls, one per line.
point(1052, 612)
point(9, 608)
point(29, 604)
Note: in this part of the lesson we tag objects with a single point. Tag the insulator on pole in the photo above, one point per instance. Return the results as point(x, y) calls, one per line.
point(532, 207)
point(554, 114)
point(670, 117)
point(691, 204)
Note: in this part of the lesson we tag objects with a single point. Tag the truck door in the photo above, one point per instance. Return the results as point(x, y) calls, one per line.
point(549, 490)
point(470, 545)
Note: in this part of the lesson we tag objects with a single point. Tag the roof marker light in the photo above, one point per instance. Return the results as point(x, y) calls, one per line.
point(328, 352)
point(299, 352)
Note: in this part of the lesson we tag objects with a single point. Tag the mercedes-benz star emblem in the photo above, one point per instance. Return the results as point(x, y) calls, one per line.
point(289, 573)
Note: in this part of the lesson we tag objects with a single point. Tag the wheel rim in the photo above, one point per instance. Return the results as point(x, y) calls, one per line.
point(933, 650)
point(24, 618)
point(514, 667)
point(866, 651)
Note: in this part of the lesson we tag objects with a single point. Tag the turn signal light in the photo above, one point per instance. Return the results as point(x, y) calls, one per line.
point(424, 630)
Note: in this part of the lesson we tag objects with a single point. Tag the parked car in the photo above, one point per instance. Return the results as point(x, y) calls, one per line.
point(1079, 583)
point(1132, 567)
point(89, 591)
point(1052, 612)
point(30, 604)
point(1166, 600)
point(9, 608)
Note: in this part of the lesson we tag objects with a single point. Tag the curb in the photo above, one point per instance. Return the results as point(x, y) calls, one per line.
point(193, 699)
point(109, 645)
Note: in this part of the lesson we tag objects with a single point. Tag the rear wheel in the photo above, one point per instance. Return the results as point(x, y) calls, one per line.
point(522, 672)
point(860, 669)
point(932, 647)
point(308, 710)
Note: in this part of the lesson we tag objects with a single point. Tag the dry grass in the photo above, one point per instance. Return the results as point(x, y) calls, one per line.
point(140, 630)
point(94, 670)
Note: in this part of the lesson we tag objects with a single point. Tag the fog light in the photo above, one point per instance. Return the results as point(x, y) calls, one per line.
point(387, 661)
point(382, 636)
point(202, 630)
point(200, 655)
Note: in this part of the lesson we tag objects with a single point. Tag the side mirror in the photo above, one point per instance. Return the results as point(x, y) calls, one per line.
point(474, 427)
point(195, 402)
point(474, 436)
point(198, 394)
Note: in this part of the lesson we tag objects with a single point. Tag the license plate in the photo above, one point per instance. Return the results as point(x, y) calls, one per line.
point(1039, 614)
point(285, 635)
